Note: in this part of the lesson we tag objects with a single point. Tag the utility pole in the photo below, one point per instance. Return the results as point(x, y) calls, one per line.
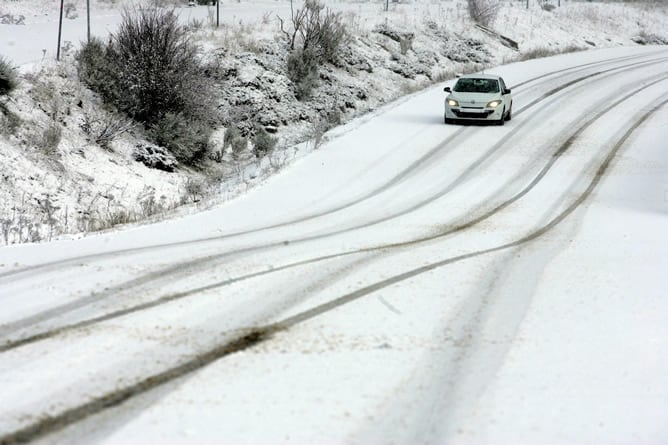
point(88, 18)
point(60, 29)
point(217, 13)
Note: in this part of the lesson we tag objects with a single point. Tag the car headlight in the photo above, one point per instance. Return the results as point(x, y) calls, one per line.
point(453, 103)
point(494, 104)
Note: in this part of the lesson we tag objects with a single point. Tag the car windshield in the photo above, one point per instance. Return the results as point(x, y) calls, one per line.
point(477, 86)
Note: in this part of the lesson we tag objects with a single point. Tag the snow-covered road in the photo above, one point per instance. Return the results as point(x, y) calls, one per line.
point(409, 282)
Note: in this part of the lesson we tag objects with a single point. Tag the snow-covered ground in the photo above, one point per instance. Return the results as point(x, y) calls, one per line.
point(409, 282)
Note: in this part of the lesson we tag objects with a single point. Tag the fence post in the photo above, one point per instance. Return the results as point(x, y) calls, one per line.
point(60, 29)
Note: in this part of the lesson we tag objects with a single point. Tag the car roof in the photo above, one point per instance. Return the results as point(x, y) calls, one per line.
point(480, 76)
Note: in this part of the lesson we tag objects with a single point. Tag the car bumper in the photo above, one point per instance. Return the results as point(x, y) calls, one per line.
point(473, 114)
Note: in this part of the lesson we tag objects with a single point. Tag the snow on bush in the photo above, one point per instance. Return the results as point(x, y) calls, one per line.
point(152, 72)
point(154, 156)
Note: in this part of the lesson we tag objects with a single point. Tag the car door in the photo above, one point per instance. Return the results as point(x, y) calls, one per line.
point(507, 98)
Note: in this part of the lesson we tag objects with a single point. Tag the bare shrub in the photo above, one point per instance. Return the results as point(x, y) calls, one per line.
point(193, 190)
point(71, 10)
point(9, 121)
point(50, 139)
point(93, 65)
point(266, 18)
point(48, 208)
point(543, 51)
point(235, 141)
point(50, 98)
point(187, 140)
point(645, 38)
point(8, 77)
point(545, 6)
point(231, 134)
point(103, 128)
point(148, 204)
point(537, 53)
point(263, 142)
point(196, 24)
point(443, 75)
point(116, 217)
point(317, 28)
point(239, 146)
point(405, 44)
point(315, 35)
point(6, 225)
point(483, 12)
point(303, 72)
point(160, 67)
point(151, 72)
point(17, 225)
point(317, 132)
point(333, 117)
point(165, 3)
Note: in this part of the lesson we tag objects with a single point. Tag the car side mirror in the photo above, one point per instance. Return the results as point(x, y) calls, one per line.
point(447, 90)
point(506, 91)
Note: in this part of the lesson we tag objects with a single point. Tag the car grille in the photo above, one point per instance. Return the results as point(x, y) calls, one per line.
point(465, 115)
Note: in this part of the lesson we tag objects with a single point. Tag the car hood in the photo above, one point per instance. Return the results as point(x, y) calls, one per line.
point(474, 99)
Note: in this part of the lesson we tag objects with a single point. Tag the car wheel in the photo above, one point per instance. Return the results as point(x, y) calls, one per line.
point(509, 116)
point(503, 118)
point(446, 120)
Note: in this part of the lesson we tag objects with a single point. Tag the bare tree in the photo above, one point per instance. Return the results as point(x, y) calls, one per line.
point(315, 35)
point(316, 29)
point(297, 19)
point(483, 12)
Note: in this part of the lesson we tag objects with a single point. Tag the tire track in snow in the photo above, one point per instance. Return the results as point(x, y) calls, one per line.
point(585, 66)
point(185, 268)
point(345, 299)
point(257, 335)
point(531, 236)
point(412, 169)
point(397, 179)
point(60, 310)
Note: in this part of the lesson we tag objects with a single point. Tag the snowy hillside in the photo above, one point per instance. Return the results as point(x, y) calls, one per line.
point(57, 179)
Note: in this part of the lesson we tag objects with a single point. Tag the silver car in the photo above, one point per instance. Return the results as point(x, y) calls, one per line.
point(478, 97)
